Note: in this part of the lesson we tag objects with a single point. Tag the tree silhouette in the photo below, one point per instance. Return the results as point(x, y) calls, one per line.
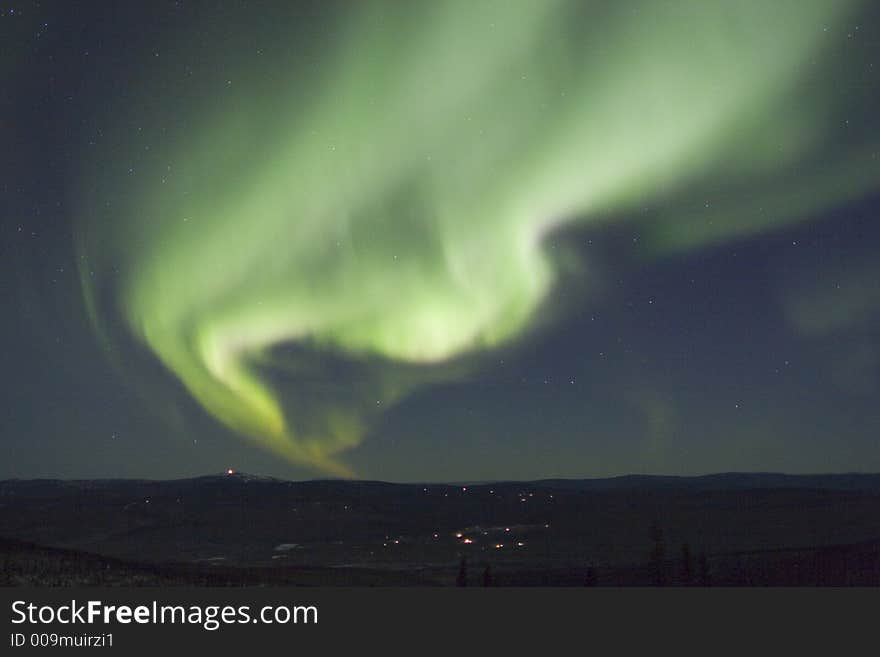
point(590, 577)
point(705, 577)
point(687, 565)
point(658, 555)
point(461, 580)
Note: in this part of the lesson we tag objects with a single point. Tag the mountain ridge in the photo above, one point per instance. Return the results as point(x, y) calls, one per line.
point(715, 481)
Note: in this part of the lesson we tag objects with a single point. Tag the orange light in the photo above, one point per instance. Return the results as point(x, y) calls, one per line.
point(467, 541)
point(230, 471)
point(458, 535)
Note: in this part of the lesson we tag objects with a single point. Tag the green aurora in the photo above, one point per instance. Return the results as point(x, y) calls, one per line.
point(352, 215)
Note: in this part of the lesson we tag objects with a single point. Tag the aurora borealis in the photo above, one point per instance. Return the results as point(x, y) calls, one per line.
point(314, 225)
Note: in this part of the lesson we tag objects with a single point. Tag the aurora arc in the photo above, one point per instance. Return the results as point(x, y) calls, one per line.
point(386, 201)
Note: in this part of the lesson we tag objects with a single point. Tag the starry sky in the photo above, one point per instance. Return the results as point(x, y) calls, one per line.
point(436, 241)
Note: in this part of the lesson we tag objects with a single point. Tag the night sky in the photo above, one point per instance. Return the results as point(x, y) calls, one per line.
point(439, 240)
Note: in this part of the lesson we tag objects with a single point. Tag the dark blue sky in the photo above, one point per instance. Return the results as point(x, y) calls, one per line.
point(759, 354)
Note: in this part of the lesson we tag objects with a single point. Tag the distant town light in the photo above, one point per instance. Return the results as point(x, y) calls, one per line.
point(230, 471)
point(458, 535)
point(467, 541)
